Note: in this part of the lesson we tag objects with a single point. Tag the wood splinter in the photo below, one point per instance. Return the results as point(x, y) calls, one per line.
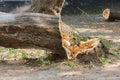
point(91, 46)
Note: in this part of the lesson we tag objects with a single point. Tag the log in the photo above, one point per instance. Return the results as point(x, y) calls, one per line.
point(43, 29)
point(27, 30)
point(30, 30)
point(111, 15)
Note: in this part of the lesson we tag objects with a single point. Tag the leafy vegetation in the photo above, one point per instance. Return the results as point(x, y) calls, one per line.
point(70, 64)
point(43, 61)
point(105, 42)
point(104, 60)
point(118, 48)
point(24, 56)
point(1, 49)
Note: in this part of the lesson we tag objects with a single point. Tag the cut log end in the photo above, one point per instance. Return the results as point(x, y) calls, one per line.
point(106, 14)
point(111, 15)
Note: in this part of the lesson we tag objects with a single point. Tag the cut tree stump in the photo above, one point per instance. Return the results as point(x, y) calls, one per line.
point(111, 15)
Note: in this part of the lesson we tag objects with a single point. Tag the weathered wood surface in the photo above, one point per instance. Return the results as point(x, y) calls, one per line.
point(26, 30)
point(111, 15)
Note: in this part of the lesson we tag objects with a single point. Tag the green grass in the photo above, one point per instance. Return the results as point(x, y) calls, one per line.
point(13, 51)
point(43, 61)
point(118, 48)
point(105, 42)
point(38, 53)
point(70, 64)
point(1, 49)
point(104, 60)
point(24, 55)
point(82, 39)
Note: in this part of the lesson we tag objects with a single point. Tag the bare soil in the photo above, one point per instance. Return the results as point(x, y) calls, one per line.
point(87, 25)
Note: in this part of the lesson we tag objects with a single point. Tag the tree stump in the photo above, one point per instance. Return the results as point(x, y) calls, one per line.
point(111, 15)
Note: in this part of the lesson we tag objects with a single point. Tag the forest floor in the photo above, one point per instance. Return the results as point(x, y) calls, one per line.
point(88, 25)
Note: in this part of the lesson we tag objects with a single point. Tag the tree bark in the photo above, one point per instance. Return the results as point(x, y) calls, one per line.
point(52, 7)
point(111, 15)
point(32, 29)
point(26, 30)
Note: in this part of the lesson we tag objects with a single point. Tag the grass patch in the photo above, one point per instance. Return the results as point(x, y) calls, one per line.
point(24, 55)
point(118, 48)
point(1, 49)
point(104, 60)
point(105, 42)
point(70, 64)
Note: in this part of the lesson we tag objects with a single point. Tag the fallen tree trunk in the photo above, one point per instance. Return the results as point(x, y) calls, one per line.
point(31, 29)
point(111, 15)
point(26, 30)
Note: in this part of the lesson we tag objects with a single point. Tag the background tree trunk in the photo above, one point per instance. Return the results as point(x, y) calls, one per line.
point(111, 15)
point(52, 7)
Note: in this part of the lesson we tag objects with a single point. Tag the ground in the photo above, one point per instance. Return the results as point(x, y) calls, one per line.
point(87, 25)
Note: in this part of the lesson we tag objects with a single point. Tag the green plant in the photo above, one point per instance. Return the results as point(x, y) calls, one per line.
point(13, 51)
point(70, 64)
point(38, 53)
point(1, 49)
point(83, 39)
point(42, 61)
point(105, 42)
point(118, 48)
point(104, 60)
point(48, 56)
point(24, 56)
point(10, 50)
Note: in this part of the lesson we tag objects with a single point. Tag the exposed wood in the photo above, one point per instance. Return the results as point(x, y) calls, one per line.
point(93, 52)
point(111, 15)
point(26, 30)
point(84, 49)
